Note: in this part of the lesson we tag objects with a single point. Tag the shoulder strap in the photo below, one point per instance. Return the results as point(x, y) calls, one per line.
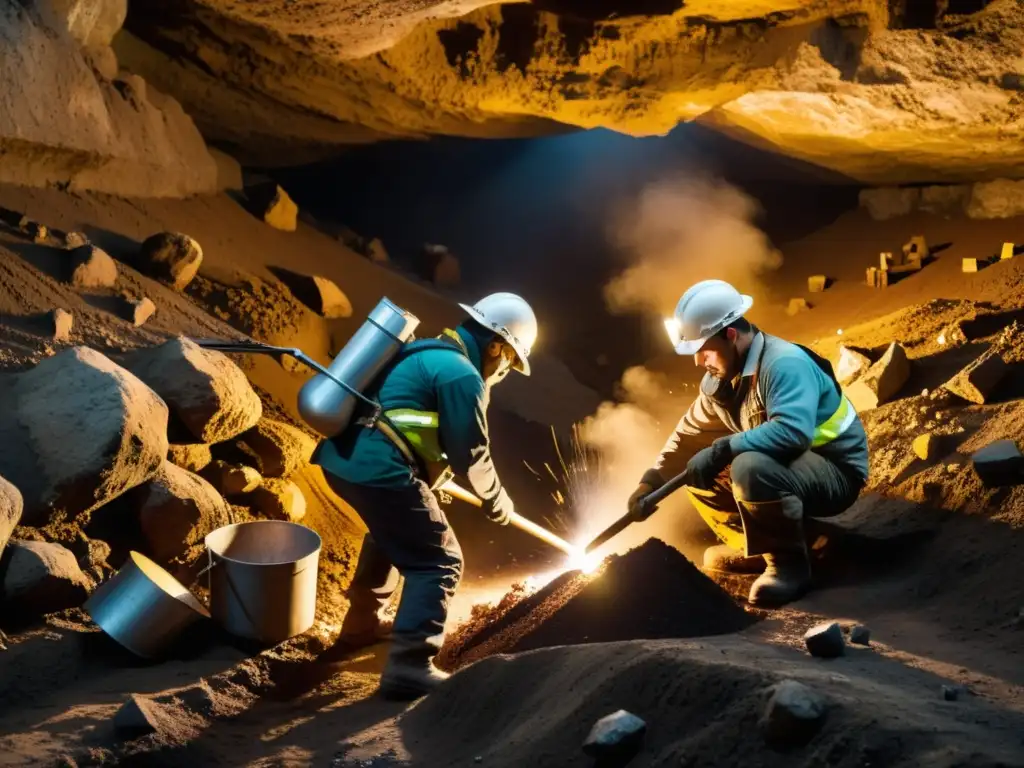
point(821, 362)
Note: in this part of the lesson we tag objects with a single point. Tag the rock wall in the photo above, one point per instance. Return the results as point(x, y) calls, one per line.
point(875, 91)
point(68, 116)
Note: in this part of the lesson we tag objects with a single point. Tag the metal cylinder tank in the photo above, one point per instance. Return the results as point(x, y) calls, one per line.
point(327, 407)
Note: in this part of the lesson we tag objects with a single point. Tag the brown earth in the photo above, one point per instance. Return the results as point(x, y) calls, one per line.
point(943, 606)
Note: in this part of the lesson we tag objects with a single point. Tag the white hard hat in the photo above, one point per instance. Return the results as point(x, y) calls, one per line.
point(704, 310)
point(510, 317)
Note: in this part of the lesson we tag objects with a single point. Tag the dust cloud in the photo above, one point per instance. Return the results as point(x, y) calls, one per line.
point(679, 231)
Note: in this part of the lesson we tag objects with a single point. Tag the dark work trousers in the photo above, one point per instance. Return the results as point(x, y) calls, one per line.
point(408, 532)
point(824, 488)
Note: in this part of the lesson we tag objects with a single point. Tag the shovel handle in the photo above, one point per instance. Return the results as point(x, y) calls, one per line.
point(650, 502)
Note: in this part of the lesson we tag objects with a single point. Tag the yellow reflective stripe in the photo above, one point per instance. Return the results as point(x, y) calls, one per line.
point(420, 429)
point(410, 416)
point(836, 424)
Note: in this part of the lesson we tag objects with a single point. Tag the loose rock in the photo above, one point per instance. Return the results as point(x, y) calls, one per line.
point(924, 445)
point(851, 364)
point(91, 267)
point(11, 506)
point(193, 457)
point(860, 635)
point(204, 389)
point(172, 258)
point(883, 380)
point(38, 232)
point(176, 511)
point(63, 322)
point(817, 283)
point(616, 738)
point(140, 310)
point(320, 294)
point(231, 479)
point(85, 431)
point(978, 381)
point(279, 500)
point(75, 239)
point(999, 463)
point(376, 252)
point(950, 692)
point(41, 578)
point(825, 640)
point(278, 449)
point(274, 206)
point(139, 716)
point(796, 306)
point(795, 713)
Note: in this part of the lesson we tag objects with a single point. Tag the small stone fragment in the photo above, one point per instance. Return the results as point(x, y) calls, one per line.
point(825, 640)
point(75, 240)
point(977, 381)
point(796, 306)
point(882, 381)
point(172, 258)
point(999, 463)
point(63, 321)
point(616, 738)
point(969, 265)
point(279, 500)
point(950, 692)
point(1006, 252)
point(795, 713)
point(860, 635)
point(38, 232)
point(275, 207)
point(924, 445)
point(376, 252)
point(231, 479)
point(817, 283)
point(91, 267)
point(138, 717)
point(140, 310)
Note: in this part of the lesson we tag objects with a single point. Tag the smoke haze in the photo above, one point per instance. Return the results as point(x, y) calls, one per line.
point(683, 230)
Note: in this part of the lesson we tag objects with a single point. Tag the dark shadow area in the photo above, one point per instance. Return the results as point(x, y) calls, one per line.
point(1011, 387)
point(599, 10)
point(51, 261)
point(121, 247)
point(302, 287)
point(940, 247)
point(935, 370)
point(944, 445)
point(984, 326)
point(110, 303)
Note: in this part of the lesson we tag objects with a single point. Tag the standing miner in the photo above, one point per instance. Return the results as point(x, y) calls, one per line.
point(785, 442)
point(435, 395)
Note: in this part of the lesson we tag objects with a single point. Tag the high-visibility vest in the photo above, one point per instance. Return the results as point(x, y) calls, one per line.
point(836, 424)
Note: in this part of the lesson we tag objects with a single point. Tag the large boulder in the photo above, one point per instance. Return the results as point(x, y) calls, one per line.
point(90, 22)
point(42, 577)
point(77, 431)
point(170, 257)
point(277, 449)
point(204, 389)
point(176, 510)
point(889, 202)
point(999, 199)
point(11, 505)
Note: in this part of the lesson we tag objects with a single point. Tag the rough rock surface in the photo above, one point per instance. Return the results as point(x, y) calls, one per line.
point(794, 714)
point(999, 199)
point(279, 500)
point(170, 257)
point(882, 381)
point(176, 510)
point(615, 738)
point(875, 91)
point(63, 123)
point(11, 505)
point(193, 456)
point(273, 205)
point(42, 577)
point(278, 449)
point(63, 322)
point(91, 267)
point(204, 389)
point(889, 202)
point(84, 431)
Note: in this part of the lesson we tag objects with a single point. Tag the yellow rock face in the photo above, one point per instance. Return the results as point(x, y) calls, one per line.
point(840, 84)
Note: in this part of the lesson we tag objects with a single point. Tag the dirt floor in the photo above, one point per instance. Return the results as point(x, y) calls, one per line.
point(938, 581)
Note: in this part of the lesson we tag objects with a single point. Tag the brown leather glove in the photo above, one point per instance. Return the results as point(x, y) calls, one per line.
point(633, 505)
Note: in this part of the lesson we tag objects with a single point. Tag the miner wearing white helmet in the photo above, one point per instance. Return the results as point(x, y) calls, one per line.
point(785, 443)
point(434, 398)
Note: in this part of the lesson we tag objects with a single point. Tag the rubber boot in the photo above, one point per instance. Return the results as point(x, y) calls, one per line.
point(774, 529)
point(722, 557)
point(410, 672)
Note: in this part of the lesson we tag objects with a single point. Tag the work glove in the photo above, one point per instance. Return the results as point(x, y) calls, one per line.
point(499, 508)
point(706, 465)
point(636, 500)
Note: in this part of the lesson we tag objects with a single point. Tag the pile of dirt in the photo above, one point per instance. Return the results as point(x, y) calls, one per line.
point(650, 592)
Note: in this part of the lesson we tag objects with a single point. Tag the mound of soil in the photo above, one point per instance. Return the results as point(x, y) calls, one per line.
point(651, 592)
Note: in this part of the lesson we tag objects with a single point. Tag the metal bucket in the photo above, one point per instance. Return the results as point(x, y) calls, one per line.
point(143, 607)
point(263, 578)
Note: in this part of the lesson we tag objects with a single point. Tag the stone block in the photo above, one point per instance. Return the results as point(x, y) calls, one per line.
point(978, 381)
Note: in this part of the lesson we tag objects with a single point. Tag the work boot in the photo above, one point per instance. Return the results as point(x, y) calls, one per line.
point(410, 671)
point(786, 577)
point(722, 557)
point(361, 628)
